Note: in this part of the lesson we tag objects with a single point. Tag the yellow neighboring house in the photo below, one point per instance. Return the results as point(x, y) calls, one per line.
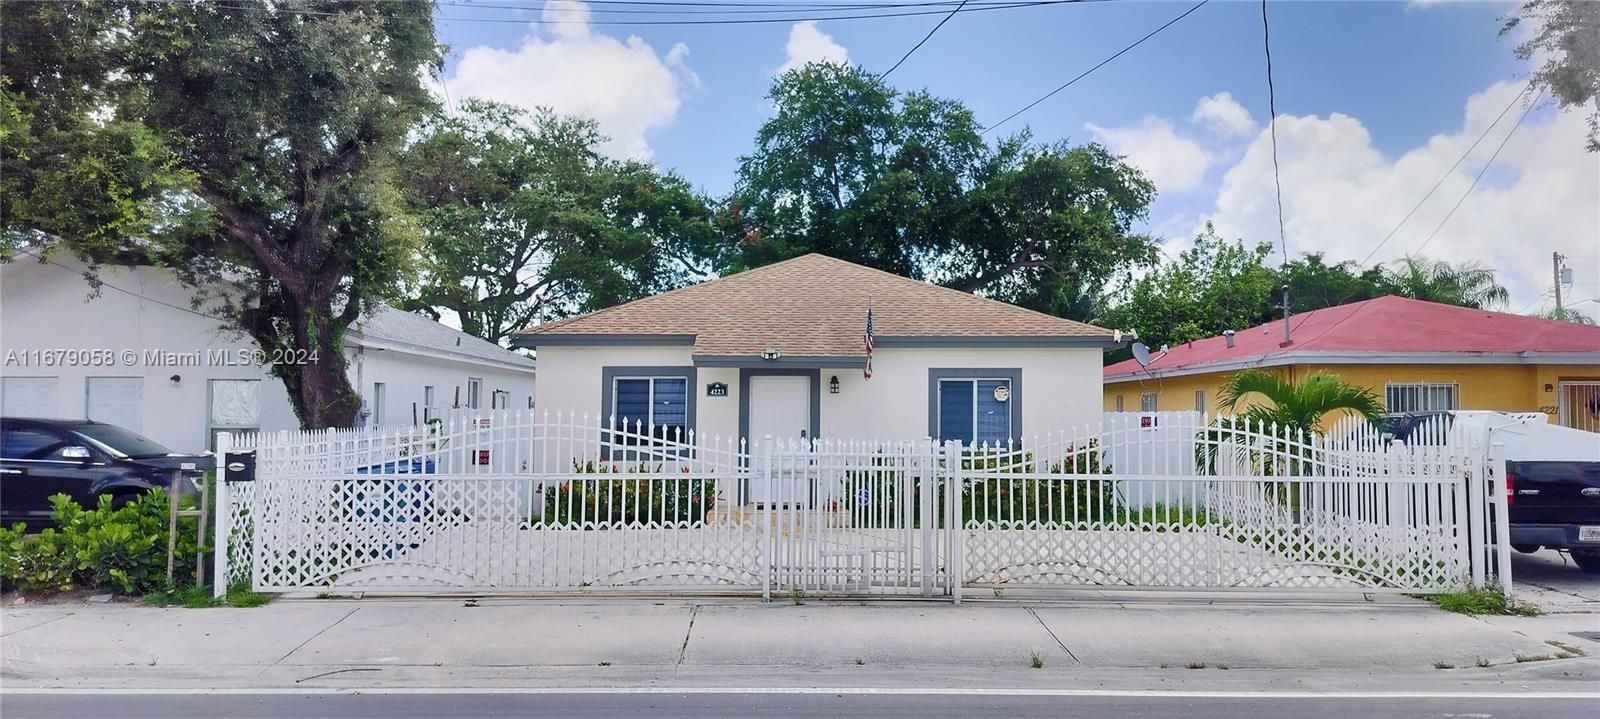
point(1416, 355)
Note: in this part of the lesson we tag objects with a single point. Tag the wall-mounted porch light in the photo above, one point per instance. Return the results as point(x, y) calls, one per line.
point(833, 385)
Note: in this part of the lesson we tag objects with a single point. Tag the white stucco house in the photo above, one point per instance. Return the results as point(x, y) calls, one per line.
point(138, 356)
point(780, 350)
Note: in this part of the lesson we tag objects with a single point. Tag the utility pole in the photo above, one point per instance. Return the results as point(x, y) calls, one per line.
point(1286, 339)
point(1555, 259)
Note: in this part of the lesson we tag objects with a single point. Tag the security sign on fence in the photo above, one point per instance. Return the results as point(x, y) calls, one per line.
point(514, 501)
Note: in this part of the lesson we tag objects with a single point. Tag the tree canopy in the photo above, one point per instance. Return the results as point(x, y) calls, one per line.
point(244, 142)
point(525, 220)
point(1565, 37)
point(905, 182)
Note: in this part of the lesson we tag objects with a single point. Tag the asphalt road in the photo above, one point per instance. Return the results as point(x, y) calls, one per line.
point(877, 706)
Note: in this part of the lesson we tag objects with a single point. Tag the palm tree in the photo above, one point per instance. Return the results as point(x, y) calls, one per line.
point(1295, 414)
point(1465, 285)
point(1297, 408)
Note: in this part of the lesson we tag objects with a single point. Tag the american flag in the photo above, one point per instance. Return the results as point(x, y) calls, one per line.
point(867, 371)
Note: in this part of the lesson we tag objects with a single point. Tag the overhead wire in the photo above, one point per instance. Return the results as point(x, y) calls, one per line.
point(1272, 129)
point(676, 22)
point(1447, 174)
point(1097, 66)
point(923, 41)
point(1481, 172)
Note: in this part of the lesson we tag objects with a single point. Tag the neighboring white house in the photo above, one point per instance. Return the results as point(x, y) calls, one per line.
point(780, 350)
point(139, 357)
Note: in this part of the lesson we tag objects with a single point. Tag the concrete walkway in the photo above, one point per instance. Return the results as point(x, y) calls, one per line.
point(1098, 640)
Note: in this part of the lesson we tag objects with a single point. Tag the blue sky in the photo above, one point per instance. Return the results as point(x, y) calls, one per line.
point(1375, 101)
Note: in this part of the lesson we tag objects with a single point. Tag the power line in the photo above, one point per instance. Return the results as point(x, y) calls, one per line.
point(1436, 185)
point(1097, 66)
point(1446, 175)
point(731, 8)
point(1272, 129)
point(1481, 172)
point(97, 282)
point(924, 39)
point(720, 21)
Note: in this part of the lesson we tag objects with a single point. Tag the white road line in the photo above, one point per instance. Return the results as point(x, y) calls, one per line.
point(852, 691)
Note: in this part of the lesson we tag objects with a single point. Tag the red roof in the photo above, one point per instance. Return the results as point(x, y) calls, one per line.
point(1386, 325)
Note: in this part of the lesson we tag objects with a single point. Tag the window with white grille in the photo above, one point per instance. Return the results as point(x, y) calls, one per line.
point(1147, 402)
point(1421, 397)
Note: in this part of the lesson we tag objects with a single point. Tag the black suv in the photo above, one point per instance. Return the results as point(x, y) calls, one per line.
point(82, 459)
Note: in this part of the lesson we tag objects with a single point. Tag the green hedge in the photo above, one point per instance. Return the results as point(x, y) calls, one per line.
point(122, 549)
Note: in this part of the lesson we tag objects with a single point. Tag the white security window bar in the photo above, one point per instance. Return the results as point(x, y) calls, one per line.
point(1147, 402)
point(973, 411)
point(474, 392)
point(1421, 396)
point(427, 404)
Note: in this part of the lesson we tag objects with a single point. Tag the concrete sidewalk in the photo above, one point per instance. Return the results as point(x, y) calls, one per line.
point(377, 643)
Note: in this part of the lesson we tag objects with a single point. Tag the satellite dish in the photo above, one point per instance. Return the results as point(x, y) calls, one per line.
point(1141, 354)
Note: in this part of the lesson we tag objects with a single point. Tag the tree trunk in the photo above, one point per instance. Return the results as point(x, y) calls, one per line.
point(326, 397)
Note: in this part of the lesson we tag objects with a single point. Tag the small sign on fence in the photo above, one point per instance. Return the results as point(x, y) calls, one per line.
point(483, 457)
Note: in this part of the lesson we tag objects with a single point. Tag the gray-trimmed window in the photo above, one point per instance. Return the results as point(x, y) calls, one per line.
point(656, 400)
point(975, 405)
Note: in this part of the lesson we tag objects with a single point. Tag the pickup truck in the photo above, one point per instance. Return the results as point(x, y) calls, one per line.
point(1552, 478)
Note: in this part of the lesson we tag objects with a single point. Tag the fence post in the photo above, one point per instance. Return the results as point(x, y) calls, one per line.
point(1502, 518)
point(927, 510)
point(767, 518)
point(223, 525)
point(956, 563)
point(1477, 514)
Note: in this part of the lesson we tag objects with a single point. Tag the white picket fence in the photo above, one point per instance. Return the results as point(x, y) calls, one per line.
point(525, 502)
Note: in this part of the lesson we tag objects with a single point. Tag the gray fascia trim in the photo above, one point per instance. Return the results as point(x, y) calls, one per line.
point(1021, 341)
point(554, 339)
point(1368, 358)
point(1014, 374)
point(609, 375)
point(798, 362)
point(745, 373)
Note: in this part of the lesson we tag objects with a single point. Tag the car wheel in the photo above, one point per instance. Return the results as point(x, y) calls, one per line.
point(118, 501)
point(1588, 560)
point(1526, 548)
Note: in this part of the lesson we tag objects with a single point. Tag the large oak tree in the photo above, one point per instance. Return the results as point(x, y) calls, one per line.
point(525, 220)
point(250, 143)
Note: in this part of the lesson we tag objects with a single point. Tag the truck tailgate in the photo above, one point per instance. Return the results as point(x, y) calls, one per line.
point(1555, 492)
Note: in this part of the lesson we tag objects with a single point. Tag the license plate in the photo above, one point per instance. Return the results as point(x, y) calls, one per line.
point(1589, 534)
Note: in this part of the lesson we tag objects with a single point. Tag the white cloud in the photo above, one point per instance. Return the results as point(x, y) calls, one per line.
point(1342, 196)
point(1223, 115)
point(808, 43)
point(625, 85)
point(1173, 162)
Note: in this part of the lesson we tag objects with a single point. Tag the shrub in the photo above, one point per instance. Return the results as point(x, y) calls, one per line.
point(41, 562)
point(663, 498)
point(123, 549)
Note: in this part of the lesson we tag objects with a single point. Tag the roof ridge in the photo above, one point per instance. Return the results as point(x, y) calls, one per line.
point(676, 290)
point(937, 286)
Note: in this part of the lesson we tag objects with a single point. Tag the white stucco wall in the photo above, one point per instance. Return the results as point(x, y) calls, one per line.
point(1060, 390)
point(46, 307)
point(405, 376)
point(1060, 387)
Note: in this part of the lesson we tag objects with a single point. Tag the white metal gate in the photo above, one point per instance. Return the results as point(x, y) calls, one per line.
point(513, 501)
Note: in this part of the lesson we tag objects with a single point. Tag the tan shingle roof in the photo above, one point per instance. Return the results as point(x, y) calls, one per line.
point(813, 305)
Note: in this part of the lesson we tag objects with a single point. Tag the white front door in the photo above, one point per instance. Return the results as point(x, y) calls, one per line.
point(780, 407)
point(116, 400)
